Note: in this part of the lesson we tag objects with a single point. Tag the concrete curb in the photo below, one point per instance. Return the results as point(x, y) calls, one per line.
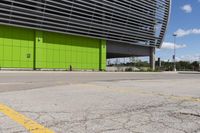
point(188, 72)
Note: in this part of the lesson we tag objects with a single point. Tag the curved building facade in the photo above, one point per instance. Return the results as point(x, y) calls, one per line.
point(79, 34)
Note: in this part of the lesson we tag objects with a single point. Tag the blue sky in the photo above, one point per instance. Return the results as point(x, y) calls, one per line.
point(185, 21)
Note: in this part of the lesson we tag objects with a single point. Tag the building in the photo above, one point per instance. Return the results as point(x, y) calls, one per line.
point(79, 34)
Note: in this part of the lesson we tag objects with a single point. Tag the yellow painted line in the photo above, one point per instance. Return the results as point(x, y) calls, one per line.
point(29, 124)
point(186, 98)
point(139, 91)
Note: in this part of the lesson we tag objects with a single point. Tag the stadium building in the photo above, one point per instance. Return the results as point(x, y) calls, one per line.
point(79, 34)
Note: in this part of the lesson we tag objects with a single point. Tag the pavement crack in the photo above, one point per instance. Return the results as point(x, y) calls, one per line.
point(190, 114)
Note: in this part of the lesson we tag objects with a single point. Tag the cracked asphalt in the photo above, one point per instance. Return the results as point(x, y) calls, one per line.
point(85, 102)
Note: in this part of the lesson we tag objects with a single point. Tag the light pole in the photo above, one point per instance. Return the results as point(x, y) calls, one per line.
point(174, 56)
point(199, 63)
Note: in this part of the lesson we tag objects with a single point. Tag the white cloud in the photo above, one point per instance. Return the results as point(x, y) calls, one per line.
point(170, 45)
point(187, 8)
point(194, 57)
point(181, 32)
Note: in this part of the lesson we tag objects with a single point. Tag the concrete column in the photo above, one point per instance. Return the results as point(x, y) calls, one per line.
point(152, 58)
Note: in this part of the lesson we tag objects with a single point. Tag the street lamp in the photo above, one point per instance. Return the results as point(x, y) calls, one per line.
point(199, 63)
point(174, 56)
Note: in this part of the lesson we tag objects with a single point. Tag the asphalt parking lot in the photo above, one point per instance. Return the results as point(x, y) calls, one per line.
point(87, 102)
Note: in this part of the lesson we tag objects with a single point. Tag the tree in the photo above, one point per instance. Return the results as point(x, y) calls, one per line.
point(195, 65)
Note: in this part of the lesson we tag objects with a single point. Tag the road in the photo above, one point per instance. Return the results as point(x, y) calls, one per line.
point(87, 102)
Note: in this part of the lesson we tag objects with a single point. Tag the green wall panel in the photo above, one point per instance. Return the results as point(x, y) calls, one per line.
point(16, 47)
point(103, 55)
point(25, 48)
point(63, 51)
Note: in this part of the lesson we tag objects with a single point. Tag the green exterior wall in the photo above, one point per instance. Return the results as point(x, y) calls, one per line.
point(16, 47)
point(26, 48)
point(103, 55)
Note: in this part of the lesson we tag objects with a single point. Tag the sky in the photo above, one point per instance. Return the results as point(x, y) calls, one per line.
point(185, 22)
